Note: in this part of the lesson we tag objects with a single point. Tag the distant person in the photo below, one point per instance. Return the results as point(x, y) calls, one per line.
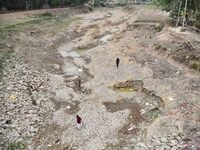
point(79, 84)
point(117, 62)
point(78, 121)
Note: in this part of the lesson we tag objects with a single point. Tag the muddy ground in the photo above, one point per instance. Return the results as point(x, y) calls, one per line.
point(150, 102)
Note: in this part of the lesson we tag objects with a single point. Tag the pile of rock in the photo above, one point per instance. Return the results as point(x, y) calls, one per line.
point(24, 100)
point(162, 143)
point(168, 143)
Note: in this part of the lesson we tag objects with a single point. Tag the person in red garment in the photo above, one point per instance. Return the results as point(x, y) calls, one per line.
point(78, 121)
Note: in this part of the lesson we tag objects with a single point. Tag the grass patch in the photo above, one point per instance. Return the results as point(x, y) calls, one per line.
point(159, 28)
point(4, 55)
point(157, 46)
point(42, 21)
point(148, 6)
point(164, 125)
point(63, 23)
point(45, 14)
point(17, 26)
point(196, 65)
point(153, 114)
point(15, 146)
point(6, 32)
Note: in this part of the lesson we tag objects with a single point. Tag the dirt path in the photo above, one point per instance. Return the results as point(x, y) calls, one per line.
point(143, 104)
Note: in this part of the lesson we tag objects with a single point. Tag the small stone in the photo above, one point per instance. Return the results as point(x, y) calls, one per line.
point(178, 138)
point(80, 70)
point(142, 145)
point(174, 148)
point(32, 130)
point(165, 148)
point(163, 139)
point(173, 142)
point(131, 128)
point(57, 141)
point(182, 143)
point(125, 148)
point(63, 54)
point(114, 30)
point(74, 147)
point(56, 66)
point(157, 142)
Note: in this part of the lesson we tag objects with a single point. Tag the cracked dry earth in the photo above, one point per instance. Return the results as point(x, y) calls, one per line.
point(149, 103)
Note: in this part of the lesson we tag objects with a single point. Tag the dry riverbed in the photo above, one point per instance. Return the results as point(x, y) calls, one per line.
point(149, 102)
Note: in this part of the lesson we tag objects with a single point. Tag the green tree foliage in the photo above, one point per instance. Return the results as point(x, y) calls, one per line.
point(37, 4)
point(192, 13)
point(55, 3)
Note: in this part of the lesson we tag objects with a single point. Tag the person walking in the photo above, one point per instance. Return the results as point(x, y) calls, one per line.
point(117, 62)
point(78, 121)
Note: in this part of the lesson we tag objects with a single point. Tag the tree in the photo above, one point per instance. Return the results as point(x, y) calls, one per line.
point(192, 12)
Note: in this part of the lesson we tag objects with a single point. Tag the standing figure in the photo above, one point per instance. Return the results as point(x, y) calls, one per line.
point(78, 121)
point(117, 62)
point(79, 84)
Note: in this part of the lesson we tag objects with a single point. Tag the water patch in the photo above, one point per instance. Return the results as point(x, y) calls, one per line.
point(128, 86)
point(126, 89)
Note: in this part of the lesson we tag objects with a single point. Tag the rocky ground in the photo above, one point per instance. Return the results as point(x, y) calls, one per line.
point(149, 102)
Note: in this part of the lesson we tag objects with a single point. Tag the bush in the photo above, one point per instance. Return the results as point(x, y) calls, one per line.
point(78, 2)
point(197, 24)
point(55, 3)
point(197, 21)
point(45, 14)
point(97, 3)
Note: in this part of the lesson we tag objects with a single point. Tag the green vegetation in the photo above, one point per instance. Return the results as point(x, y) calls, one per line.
point(159, 28)
point(15, 146)
point(4, 55)
point(192, 13)
point(47, 20)
point(153, 114)
point(37, 4)
point(5, 28)
point(45, 14)
point(63, 23)
point(157, 46)
point(196, 65)
point(55, 3)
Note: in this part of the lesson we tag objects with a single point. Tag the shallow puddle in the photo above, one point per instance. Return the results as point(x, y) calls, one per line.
point(126, 89)
point(128, 86)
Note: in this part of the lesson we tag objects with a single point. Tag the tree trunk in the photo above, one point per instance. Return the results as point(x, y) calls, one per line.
point(62, 3)
point(46, 4)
